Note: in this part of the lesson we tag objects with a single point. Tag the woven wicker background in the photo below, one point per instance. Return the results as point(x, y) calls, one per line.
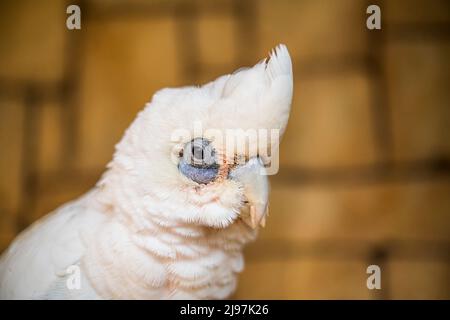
point(365, 163)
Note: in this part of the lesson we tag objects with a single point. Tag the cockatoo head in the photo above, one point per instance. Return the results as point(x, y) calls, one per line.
point(197, 154)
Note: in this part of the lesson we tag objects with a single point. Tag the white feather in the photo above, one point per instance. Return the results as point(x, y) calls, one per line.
point(146, 231)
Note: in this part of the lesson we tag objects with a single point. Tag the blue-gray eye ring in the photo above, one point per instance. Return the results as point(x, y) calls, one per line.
point(198, 161)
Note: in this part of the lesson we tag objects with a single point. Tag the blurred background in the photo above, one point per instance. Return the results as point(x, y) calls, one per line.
point(365, 167)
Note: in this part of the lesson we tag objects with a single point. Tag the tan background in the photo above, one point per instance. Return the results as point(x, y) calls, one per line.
point(365, 170)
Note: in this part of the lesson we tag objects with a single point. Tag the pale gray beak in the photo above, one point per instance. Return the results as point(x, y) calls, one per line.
point(256, 190)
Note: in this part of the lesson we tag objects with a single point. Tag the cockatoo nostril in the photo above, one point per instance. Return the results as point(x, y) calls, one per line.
point(198, 161)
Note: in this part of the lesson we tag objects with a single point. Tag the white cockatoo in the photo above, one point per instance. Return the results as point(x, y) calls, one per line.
point(170, 216)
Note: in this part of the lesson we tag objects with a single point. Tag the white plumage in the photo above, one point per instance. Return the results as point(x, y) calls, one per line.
point(147, 231)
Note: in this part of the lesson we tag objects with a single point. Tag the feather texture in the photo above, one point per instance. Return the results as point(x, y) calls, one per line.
point(146, 231)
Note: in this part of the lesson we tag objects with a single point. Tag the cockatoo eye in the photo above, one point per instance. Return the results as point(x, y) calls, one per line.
point(198, 161)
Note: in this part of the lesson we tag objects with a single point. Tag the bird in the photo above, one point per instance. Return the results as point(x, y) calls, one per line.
point(176, 205)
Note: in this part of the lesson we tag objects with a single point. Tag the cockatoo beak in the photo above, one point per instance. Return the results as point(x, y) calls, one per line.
point(256, 190)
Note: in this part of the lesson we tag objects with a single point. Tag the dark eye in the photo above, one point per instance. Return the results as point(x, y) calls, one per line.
point(198, 161)
point(199, 153)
